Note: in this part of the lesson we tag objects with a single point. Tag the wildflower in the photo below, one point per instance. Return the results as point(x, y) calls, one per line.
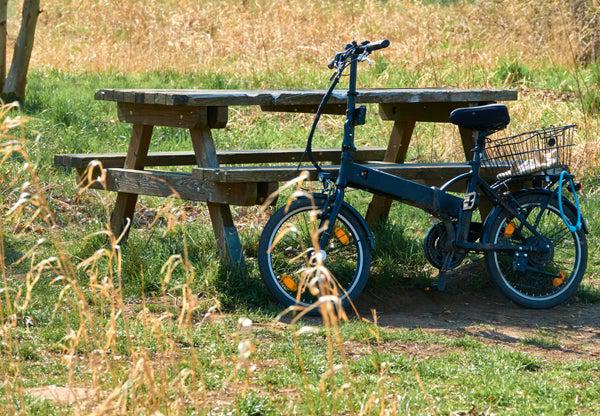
point(244, 323)
point(245, 349)
point(307, 330)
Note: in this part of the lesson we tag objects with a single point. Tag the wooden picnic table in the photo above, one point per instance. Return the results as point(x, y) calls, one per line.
point(200, 111)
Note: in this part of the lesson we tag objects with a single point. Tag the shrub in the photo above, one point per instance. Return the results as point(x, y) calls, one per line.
point(512, 72)
point(591, 100)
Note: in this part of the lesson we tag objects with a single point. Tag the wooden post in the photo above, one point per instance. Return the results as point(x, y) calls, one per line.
point(14, 86)
point(379, 208)
point(226, 234)
point(135, 159)
point(3, 16)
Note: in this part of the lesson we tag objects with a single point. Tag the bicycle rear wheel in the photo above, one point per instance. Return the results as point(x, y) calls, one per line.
point(541, 279)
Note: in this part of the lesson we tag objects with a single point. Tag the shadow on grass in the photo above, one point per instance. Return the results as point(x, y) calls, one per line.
point(472, 300)
point(244, 289)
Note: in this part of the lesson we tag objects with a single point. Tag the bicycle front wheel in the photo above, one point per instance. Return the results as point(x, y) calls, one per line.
point(286, 255)
point(542, 278)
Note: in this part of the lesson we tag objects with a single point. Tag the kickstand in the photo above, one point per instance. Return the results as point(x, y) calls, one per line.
point(440, 284)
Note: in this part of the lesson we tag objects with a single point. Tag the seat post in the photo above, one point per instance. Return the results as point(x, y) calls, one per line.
point(470, 143)
point(475, 161)
point(480, 137)
point(471, 200)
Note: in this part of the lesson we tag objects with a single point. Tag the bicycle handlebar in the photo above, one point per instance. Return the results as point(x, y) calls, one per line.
point(374, 46)
point(355, 49)
point(331, 63)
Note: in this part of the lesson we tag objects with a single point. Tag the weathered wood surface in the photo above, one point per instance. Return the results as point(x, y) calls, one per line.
point(225, 157)
point(338, 109)
point(428, 112)
point(208, 98)
point(122, 215)
point(173, 116)
point(179, 185)
point(429, 173)
point(224, 229)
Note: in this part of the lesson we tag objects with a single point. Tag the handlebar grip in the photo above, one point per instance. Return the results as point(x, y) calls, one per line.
point(333, 61)
point(374, 46)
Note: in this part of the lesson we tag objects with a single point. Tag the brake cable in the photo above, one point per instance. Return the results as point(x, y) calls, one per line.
point(308, 150)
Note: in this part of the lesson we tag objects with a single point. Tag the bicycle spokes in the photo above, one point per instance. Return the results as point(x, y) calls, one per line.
point(306, 273)
point(550, 260)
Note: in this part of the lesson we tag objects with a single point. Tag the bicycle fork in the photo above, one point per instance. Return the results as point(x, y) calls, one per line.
point(330, 212)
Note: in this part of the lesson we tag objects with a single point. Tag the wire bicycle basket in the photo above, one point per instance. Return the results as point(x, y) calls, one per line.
point(534, 152)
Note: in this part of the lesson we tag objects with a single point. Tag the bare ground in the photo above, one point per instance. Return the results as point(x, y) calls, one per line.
point(480, 310)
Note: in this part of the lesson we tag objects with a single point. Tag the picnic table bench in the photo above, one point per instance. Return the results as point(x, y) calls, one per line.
point(224, 178)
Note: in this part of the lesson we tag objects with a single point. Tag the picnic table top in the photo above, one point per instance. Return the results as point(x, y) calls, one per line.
point(202, 98)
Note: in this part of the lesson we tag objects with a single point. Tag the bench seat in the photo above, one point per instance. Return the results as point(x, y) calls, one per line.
point(225, 157)
point(250, 185)
point(427, 173)
point(178, 185)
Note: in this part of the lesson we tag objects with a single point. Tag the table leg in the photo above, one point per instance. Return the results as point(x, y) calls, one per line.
point(226, 234)
point(379, 208)
point(136, 154)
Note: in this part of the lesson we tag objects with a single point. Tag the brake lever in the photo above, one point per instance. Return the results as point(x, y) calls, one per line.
point(364, 57)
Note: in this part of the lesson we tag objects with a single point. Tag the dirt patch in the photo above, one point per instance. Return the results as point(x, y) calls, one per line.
point(62, 395)
point(421, 350)
point(477, 308)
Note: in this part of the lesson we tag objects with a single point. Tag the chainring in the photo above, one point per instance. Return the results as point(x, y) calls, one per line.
point(436, 248)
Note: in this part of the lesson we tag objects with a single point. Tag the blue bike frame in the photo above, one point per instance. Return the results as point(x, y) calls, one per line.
point(435, 201)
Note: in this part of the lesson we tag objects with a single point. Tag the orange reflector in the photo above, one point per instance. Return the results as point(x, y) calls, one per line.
point(509, 229)
point(341, 236)
point(558, 280)
point(289, 282)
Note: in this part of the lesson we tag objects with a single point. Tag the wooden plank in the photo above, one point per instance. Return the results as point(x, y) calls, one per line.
point(430, 112)
point(207, 98)
point(379, 208)
point(186, 158)
point(305, 108)
point(226, 234)
point(125, 204)
point(182, 186)
point(217, 117)
point(430, 173)
point(170, 116)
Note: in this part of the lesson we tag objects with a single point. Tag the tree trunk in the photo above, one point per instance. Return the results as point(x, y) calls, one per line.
point(3, 15)
point(14, 86)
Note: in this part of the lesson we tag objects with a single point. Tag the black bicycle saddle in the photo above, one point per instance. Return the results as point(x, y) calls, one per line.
point(490, 117)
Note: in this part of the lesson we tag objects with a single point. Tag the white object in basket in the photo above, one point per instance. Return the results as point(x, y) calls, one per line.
point(539, 162)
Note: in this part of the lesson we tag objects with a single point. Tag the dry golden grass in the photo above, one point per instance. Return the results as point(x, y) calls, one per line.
point(250, 36)
point(288, 37)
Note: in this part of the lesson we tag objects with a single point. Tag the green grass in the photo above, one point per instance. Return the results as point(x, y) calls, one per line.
point(463, 373)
